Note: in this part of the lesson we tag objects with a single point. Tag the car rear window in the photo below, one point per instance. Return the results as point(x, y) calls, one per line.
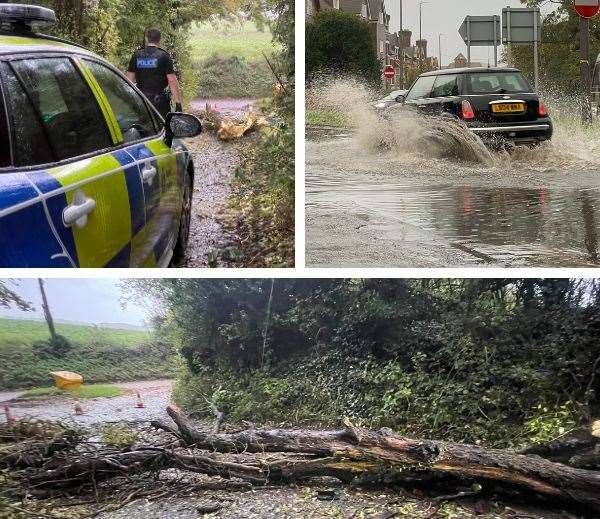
point(497, 83)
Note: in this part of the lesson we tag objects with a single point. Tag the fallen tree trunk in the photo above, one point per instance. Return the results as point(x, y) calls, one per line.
point(354, 451)
point(343, 454)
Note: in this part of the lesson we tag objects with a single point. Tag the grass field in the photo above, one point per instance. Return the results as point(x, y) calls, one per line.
point(241, 40)
point(21, 331)
point(228, 60)
point(98, 354)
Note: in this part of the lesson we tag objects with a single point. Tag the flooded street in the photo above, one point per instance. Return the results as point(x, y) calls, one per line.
point(409, 205)
point(396, 188)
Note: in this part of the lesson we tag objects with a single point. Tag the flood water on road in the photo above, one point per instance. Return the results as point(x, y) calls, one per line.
point(406, 190)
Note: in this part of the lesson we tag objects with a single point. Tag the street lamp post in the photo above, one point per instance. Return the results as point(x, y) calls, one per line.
point(401, 49)
point(440, 51)
point(420, 46)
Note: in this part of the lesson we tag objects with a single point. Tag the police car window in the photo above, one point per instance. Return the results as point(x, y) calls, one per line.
point(5, 159)
point(30, 145)
point(129, 108)
point(446, 85)
point(421, 89)
point(63, 106)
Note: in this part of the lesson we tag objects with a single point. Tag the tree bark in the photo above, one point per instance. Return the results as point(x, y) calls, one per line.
point(354, 452)
point(46, 308)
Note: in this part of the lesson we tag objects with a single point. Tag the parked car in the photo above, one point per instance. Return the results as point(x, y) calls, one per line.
point(90, 174)
point(396, 96)
point(498, 104)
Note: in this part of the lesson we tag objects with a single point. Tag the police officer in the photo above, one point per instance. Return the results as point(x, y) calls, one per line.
point(151, 68)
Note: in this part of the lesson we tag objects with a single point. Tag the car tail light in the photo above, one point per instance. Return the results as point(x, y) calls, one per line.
point(466, 110)
point(542, 110)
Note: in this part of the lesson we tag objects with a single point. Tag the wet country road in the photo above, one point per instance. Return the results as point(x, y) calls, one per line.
point(155, 394)
point(410, 205)
point(215, 162)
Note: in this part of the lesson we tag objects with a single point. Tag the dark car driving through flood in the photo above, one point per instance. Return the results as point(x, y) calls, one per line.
point(497, 104)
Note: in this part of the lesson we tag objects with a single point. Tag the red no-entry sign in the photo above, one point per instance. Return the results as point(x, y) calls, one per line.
point(587, 8)
point(389, 71)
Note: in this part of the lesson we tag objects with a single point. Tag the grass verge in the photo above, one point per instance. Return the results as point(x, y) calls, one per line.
point(320, 117)
point(84, 391)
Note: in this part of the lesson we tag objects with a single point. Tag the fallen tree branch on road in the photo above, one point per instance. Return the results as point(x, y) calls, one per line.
point(278, 456)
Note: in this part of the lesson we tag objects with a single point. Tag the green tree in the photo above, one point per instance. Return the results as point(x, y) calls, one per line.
point(495, 360)
point(340, 43)
point(559, 50)
point(9, 297)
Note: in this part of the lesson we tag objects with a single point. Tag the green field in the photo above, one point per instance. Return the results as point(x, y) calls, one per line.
point(229, 62)
point(24, 332)
point(224, 39)
point(98, 354)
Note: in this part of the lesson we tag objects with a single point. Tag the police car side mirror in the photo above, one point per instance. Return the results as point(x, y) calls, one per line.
point(401, 98)
point(180, 126)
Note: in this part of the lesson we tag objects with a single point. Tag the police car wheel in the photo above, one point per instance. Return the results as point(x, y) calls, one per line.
point(184, 222)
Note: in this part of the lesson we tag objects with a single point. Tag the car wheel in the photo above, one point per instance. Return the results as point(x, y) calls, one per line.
point(184, 222)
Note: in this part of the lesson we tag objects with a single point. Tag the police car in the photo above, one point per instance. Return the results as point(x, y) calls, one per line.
point(90, 174)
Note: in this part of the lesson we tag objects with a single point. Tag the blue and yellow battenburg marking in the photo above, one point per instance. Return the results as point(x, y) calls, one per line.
point(36, 245)
point(118, 232)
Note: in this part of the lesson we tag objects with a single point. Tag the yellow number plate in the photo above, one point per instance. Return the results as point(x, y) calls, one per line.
point(508, 108)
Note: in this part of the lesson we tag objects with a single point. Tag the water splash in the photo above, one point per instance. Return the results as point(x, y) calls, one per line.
point(400, 131)
point(428, 142)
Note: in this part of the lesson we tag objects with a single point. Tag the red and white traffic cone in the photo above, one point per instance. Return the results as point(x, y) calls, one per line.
point(139, 404)
point(10, 419)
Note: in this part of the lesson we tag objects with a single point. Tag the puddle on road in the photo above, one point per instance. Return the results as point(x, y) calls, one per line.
point(507, 225)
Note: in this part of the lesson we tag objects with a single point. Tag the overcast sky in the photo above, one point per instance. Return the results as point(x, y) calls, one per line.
point(90, 301)
point(445, 17)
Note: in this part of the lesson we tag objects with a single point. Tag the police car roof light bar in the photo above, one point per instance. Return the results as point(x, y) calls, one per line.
point(22, 17)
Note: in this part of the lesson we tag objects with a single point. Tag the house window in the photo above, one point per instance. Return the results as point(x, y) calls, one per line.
point(336, 4)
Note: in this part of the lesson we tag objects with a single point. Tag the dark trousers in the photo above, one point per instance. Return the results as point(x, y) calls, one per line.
point(162, 102)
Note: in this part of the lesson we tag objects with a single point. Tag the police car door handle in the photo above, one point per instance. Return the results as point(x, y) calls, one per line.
point(148, 173)
point(77, 213)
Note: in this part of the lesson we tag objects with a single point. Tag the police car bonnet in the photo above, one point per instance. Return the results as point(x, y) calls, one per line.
point(15, 16)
